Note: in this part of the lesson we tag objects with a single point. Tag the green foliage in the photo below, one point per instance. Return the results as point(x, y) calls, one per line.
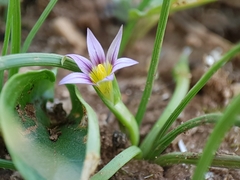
point(37, 138)
point(46, 143)
point(221, 128)
point(182, 78)
point(221, 160)
point(154, 61)
point(116, 163)
point(15, 21)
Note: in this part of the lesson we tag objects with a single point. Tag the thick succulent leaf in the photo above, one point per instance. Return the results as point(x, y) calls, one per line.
point(44, 145)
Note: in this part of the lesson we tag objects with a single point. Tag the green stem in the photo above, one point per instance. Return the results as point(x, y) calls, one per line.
point(196, 88)
point(123, 115)
point(182, 78)
point(16, 31)
point(224, 161)
point(127, 120)
point(116, 163)
point(38, 24)
point(155, 60)
point(216, 137)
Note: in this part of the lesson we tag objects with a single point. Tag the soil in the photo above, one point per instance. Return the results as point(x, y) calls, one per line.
point(208, 30)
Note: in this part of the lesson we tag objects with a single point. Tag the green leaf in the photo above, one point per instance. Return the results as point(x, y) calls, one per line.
point(216, 137)
point(47, 145)
point(162, 23)
point(155, 6)
point(219, 160)
point(197, 87)
point(182, 78)
point(15, 31)
point(116, 163)
point(38, 24)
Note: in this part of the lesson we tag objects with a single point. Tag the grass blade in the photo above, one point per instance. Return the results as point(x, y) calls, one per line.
point(15, 31)
point(38, 24)
point(6, 41)
point(196, 88)
point(155, 60)
point(116, 163)
point(224, 161)
point(216, 137)
point(182, 79)
point(168, 138)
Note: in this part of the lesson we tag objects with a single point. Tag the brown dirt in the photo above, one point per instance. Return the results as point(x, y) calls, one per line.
point(203, 29)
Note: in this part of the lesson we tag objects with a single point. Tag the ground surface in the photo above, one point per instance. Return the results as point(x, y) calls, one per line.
point(208, 29)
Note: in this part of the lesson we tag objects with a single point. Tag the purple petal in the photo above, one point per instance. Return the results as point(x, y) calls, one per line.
point(123, 62)
point(113, 50)
point(108, 78)
point(76, 78)
point(83, 63)
point(95, 49)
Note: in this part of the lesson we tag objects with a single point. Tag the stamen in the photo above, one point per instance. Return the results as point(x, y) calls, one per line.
point(100, 72)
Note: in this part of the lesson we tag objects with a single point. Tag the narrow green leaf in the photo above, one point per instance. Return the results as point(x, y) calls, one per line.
point(136, 14)
point(145, 17)
point(127, 31)
point(196, 88)
point(155, 60)
point(116, 163)
point(216, 137)
point(6, 42)
point(164, 142)
point(181, 76)
point(38, 24)
point(6, 164)
point(36, 59)
point(7, 31)
point(224, 161)
point(15, 31)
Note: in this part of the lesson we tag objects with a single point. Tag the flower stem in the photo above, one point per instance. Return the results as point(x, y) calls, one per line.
point(121, 112)
point(155, 60)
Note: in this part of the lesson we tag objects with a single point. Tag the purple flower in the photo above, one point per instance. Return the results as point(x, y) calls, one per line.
point(99, 70)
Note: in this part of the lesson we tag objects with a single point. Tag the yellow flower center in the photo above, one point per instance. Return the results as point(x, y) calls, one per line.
point(99, 73)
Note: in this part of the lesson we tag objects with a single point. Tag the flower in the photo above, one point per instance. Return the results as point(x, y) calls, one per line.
point(99, 70)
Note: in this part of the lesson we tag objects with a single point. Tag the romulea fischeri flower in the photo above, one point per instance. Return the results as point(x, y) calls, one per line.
point(99, 70)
